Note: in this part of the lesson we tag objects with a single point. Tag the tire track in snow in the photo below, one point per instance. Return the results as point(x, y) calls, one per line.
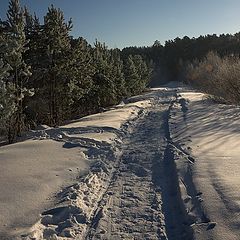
point(143, 201)
point(136, 195)
point(132, 207)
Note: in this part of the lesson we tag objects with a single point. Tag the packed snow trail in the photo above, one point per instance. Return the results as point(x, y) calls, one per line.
point(163, 165)
point(132, 190)
point(142, 201)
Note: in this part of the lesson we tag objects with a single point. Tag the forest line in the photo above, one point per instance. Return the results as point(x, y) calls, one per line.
point(47, 76)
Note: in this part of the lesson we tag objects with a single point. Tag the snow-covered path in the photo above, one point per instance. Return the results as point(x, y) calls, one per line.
point(179, 174)
point(142, 201)
point(132, 207)
point(165, 165)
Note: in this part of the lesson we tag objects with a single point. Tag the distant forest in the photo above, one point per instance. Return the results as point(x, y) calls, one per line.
point(49, 77)
point(210, 63)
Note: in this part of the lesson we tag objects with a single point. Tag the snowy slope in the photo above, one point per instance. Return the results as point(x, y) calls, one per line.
point(31, 173)
point(162, 166)
point(212, 134)
point(34, 172)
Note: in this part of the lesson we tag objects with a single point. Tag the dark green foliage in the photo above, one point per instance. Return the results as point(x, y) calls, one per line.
point(70, 78)
point(80, 72)
point(131, 76)
point(56, 51)
point(104, 89)
point(117, 75)
point(172, 57)
point(12, 50)
point(137, 74)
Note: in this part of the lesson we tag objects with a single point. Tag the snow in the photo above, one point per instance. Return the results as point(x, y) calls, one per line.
point(113, 118)
point(31, 173)
point(37, 169)
point(161, 165)
point(214, 130)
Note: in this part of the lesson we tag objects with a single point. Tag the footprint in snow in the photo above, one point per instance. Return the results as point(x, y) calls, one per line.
point(211, 225)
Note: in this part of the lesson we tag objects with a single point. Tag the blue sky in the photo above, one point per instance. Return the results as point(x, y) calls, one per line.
point(121, 23)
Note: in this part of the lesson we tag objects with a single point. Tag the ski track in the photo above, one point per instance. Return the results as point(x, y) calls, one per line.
point(139, 193)
point(143, 199)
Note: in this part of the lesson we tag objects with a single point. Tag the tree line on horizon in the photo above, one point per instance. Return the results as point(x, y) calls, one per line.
point(48, 77)
point(210, 63)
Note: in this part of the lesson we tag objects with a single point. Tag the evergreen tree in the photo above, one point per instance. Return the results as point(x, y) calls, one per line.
point(143, 71)
point(104, 91)
point(14, 45)
point(7, 103)
point(36, 57)
point(131, 76)
point(80, 72)
point(117, 74)
point(55, 47)
point(28, 22)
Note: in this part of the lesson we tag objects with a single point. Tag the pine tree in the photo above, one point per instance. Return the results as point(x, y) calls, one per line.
point(104, 89)
point(117, 75)
point(15, 46)
point(55, 48)
point(131, 76)
point(29, 23)
point(143, 71)
point(7, 103)
point(80, 72)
